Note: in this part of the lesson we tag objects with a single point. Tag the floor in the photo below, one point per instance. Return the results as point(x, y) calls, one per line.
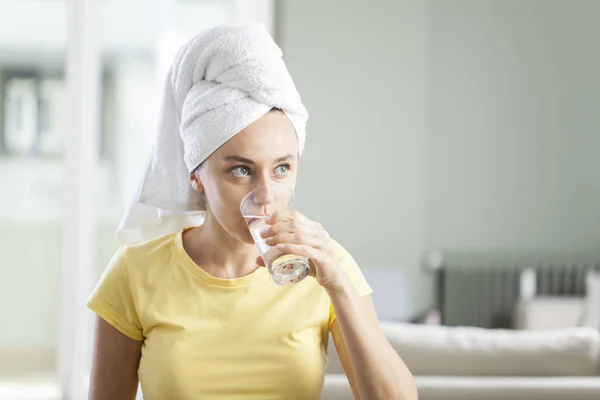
point(40, 387)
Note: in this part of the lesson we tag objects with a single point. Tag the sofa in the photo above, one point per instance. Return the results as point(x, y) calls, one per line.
point(550, 312)
point(466, 363)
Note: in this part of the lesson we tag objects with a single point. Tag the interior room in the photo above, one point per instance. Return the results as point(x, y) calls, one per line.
point(452, 147)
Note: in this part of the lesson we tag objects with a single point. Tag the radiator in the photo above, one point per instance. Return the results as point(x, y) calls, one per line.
point(483, 290)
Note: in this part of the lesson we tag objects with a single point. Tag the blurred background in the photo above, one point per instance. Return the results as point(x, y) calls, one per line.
point(453, 148)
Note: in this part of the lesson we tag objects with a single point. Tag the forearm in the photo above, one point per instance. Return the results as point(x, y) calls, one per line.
point(378, 370)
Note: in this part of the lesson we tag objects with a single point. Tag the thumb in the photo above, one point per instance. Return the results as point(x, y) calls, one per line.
point(260, 262)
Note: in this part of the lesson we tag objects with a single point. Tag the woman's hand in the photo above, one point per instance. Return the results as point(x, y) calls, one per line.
point(293, 233)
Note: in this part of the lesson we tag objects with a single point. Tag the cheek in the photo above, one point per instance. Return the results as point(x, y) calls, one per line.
point(225, 206)
point(221, 201)
point(290, 179)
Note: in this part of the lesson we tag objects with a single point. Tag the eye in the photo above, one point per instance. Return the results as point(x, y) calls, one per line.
point(240, 171)
point(282, 169)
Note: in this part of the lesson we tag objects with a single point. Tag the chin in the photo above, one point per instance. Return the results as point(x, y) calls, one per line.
point(241, 233)
point(246, 237)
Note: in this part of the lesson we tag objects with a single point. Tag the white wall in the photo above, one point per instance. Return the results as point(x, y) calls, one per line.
point(515, 124)
point(463, 124)
point(362, 70)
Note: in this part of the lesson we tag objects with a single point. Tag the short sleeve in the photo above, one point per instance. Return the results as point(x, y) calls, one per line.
point(354, 273)
point(113, 299)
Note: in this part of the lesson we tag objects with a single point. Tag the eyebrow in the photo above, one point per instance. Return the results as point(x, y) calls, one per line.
point(248, 161)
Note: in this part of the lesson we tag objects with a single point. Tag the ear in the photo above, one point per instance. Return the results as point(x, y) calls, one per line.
point(196, 183)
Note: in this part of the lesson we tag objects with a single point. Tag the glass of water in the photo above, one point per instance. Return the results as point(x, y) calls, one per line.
point(259, 204)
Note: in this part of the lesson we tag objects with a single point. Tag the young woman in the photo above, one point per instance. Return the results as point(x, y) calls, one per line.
point(193, 313)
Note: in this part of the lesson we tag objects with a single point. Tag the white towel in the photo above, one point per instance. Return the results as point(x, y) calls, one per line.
point(221, 81)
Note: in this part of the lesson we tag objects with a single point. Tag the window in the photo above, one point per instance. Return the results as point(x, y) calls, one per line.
point(32, 113)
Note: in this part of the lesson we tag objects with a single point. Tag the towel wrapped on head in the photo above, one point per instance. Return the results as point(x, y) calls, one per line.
point(221, 81)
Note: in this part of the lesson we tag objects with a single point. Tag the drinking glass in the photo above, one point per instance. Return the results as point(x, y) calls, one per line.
point(259, 204)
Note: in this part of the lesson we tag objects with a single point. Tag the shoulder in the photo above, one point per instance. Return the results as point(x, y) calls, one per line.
point(341, 254)
point(145, 255)
point(351, 268)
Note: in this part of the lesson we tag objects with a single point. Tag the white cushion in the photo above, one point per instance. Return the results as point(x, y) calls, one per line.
point(549, 313)
point(483, 388)
point(592, 302)
point(466, 351)
point(440, 350)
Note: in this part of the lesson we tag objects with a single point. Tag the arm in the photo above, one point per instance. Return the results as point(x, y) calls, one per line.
point(115, 363)
point(374, 369)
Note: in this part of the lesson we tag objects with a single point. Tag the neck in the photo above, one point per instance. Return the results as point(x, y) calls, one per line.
point(217, 252)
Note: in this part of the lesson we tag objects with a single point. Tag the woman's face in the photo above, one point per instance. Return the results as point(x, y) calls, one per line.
point(264, 152)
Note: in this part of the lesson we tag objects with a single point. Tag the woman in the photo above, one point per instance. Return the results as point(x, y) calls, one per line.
point(188, 309)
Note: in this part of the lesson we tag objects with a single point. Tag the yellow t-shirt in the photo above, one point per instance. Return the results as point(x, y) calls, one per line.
point(211, 338)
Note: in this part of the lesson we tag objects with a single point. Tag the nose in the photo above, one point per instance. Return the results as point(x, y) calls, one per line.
point(264, 195)
point(262, 178)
